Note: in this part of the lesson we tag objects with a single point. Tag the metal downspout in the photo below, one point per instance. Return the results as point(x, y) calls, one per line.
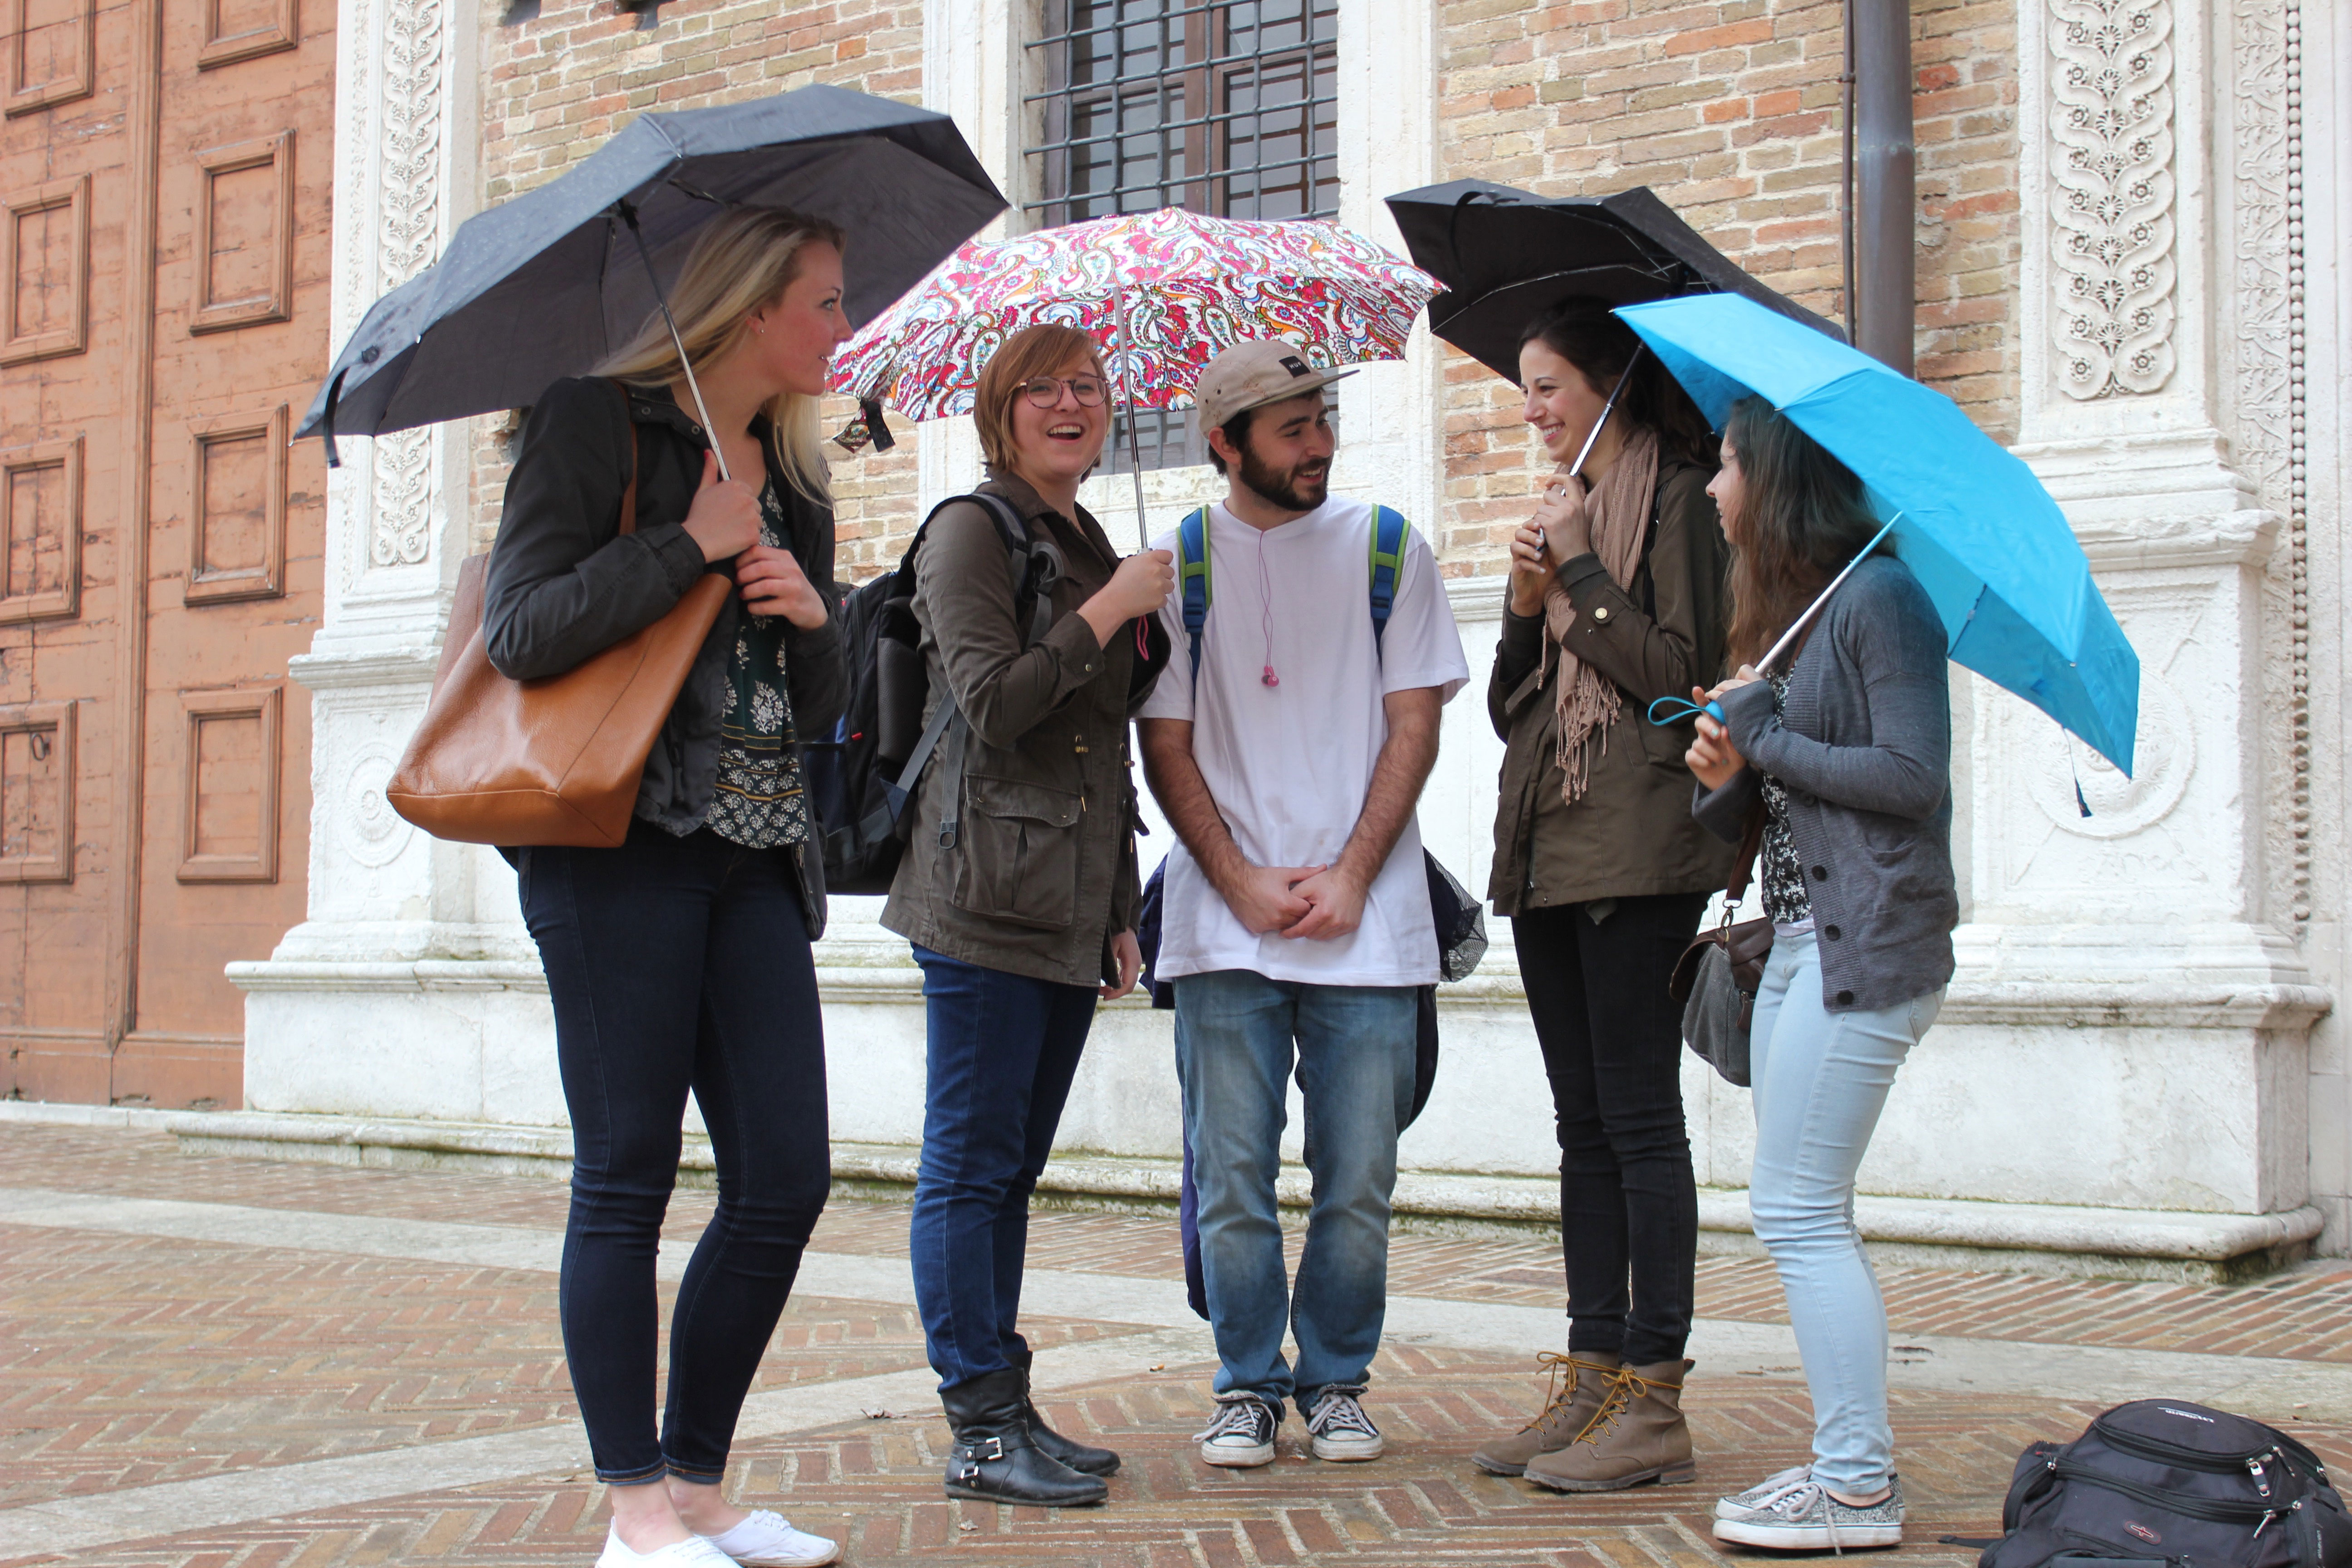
point(1886, 199)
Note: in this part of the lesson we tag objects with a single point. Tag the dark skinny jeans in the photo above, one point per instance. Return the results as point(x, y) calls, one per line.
point(677, 964)
point(1002, 1051)
point(1612, 1048)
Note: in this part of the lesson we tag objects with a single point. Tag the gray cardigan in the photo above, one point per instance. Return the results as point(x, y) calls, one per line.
point(1864, 748)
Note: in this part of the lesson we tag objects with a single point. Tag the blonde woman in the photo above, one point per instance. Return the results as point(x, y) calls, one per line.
point(680, 961)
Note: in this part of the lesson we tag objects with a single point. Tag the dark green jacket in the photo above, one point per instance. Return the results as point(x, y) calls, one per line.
point(1043, 872)
point(1630, 833)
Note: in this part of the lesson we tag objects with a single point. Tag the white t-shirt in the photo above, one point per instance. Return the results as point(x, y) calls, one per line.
point(1289, 764)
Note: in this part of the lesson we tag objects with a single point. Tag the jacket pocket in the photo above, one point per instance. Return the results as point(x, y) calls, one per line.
point(1017, 853)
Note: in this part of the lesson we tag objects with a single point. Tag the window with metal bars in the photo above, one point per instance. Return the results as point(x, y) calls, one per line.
point(1228, 108)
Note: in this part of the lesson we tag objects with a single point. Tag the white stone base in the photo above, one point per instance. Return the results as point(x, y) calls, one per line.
point(2079, 1127)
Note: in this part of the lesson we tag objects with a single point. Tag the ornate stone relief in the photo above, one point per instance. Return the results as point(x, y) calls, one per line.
point(2112, 220)
point(2266, 166)
point(408, 205)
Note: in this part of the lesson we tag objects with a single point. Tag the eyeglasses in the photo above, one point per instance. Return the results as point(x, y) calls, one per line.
point(1047, 390)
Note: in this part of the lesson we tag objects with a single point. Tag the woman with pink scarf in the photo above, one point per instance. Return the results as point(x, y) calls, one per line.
point(1616, 597)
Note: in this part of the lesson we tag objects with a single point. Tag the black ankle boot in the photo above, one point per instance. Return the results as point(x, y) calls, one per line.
point(996, 1459)
point(1086, 1461)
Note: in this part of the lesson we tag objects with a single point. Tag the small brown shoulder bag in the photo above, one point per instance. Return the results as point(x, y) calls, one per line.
point(1718, 974)
point(553, 761)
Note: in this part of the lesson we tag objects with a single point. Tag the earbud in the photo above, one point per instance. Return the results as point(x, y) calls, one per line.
point(1269, 678)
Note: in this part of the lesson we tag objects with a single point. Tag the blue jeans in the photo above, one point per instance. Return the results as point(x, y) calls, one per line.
point(677, 964)
point(1235, 1034)
point(1002, 1051)
point(1821, 1081)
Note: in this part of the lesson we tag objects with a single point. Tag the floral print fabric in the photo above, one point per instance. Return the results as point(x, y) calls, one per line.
point(760, 803)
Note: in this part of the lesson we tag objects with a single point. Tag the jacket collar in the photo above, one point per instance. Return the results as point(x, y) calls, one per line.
point(656, 406)
point(1033, 506)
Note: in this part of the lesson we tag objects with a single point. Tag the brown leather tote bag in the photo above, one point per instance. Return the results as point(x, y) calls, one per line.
point(554, 761)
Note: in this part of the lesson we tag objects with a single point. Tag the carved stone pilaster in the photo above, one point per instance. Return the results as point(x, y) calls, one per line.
point(2111, 229)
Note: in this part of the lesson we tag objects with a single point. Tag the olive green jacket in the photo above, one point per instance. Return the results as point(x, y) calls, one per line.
point(1630, 833)
point(1042, 873)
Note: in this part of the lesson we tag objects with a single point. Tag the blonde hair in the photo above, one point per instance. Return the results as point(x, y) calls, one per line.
point(743, 260)
point(1041, 349)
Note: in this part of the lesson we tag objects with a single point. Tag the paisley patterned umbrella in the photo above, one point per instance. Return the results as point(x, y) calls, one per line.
point(1162, 291)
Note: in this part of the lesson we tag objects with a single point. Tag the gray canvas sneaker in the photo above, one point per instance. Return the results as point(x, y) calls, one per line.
point(1242, 1437)
point(1738, 1503)
point(1802, 1515)
point(1341, 1430)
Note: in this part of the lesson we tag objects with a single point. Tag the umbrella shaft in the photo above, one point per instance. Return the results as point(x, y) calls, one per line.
point(1607, 408)
point(701, 409)
point(1796, 627)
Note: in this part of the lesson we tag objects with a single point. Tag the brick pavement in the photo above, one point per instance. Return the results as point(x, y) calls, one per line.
point(131, 1361)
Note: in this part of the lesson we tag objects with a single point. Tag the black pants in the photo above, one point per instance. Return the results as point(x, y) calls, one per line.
point(1613, 1047)
point(677, 964)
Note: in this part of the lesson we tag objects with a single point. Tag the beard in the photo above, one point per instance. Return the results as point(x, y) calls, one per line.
point(1300, 489)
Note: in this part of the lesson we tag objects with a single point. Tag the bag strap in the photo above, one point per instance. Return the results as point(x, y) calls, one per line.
point(1743, 869)
point(1389, 531)
point(629, 491)
point(1193, 549)
point(1022, 556)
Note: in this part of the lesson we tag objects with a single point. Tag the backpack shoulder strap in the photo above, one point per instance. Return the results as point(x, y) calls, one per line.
point(1389, 532)
point(1192, 575)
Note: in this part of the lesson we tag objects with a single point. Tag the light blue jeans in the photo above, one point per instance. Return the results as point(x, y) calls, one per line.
point(1820, 1080)
point(1235, 1034)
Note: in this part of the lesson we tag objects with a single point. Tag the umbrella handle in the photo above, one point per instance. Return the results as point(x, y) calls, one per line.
point(629, 216)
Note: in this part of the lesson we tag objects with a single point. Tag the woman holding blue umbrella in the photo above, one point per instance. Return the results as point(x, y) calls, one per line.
point(1844, 746)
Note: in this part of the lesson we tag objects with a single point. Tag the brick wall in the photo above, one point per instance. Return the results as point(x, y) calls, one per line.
point(557, 86)
point(1730, 113)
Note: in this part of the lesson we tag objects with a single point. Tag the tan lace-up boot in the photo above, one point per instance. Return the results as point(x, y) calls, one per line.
point(1637, 1436)
point(1579, 1383)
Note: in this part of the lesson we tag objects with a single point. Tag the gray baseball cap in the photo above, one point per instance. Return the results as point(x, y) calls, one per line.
point(1253, 375)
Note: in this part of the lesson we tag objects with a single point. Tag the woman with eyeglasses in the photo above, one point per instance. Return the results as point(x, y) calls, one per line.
point(1019, 887)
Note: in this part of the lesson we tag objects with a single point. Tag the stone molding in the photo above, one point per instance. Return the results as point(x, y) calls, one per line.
point(2055, 1231)
point(2266, 195)
point(2111, 218)
point(2219, 1004)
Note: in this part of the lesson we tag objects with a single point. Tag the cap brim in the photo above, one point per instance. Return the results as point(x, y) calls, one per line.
point(1296, 388)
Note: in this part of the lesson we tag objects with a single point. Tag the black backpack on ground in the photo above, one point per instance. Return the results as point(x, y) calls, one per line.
point(861, 780)
point(2162, 1483)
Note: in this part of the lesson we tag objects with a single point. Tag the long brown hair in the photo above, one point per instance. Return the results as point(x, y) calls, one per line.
point(1583, 332)
point(742, 259)
point(1803, 516)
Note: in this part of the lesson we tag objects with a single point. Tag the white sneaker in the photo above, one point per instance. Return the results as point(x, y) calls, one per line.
point(1803, 1517)
point(765, 1539)
point(694, 1552)
point(1242, 1437)
point(1342, 1432)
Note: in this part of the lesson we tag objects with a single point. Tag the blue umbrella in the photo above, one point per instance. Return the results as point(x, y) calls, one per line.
point(1971, 522)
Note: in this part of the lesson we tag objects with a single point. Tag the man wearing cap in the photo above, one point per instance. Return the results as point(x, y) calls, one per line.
point(1296, 915)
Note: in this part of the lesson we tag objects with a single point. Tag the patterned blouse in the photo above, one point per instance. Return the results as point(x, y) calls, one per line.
point(1777, 866)
point(758, 803)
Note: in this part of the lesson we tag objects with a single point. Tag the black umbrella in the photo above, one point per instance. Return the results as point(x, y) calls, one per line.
point(1509, 255)
point(546, 285)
